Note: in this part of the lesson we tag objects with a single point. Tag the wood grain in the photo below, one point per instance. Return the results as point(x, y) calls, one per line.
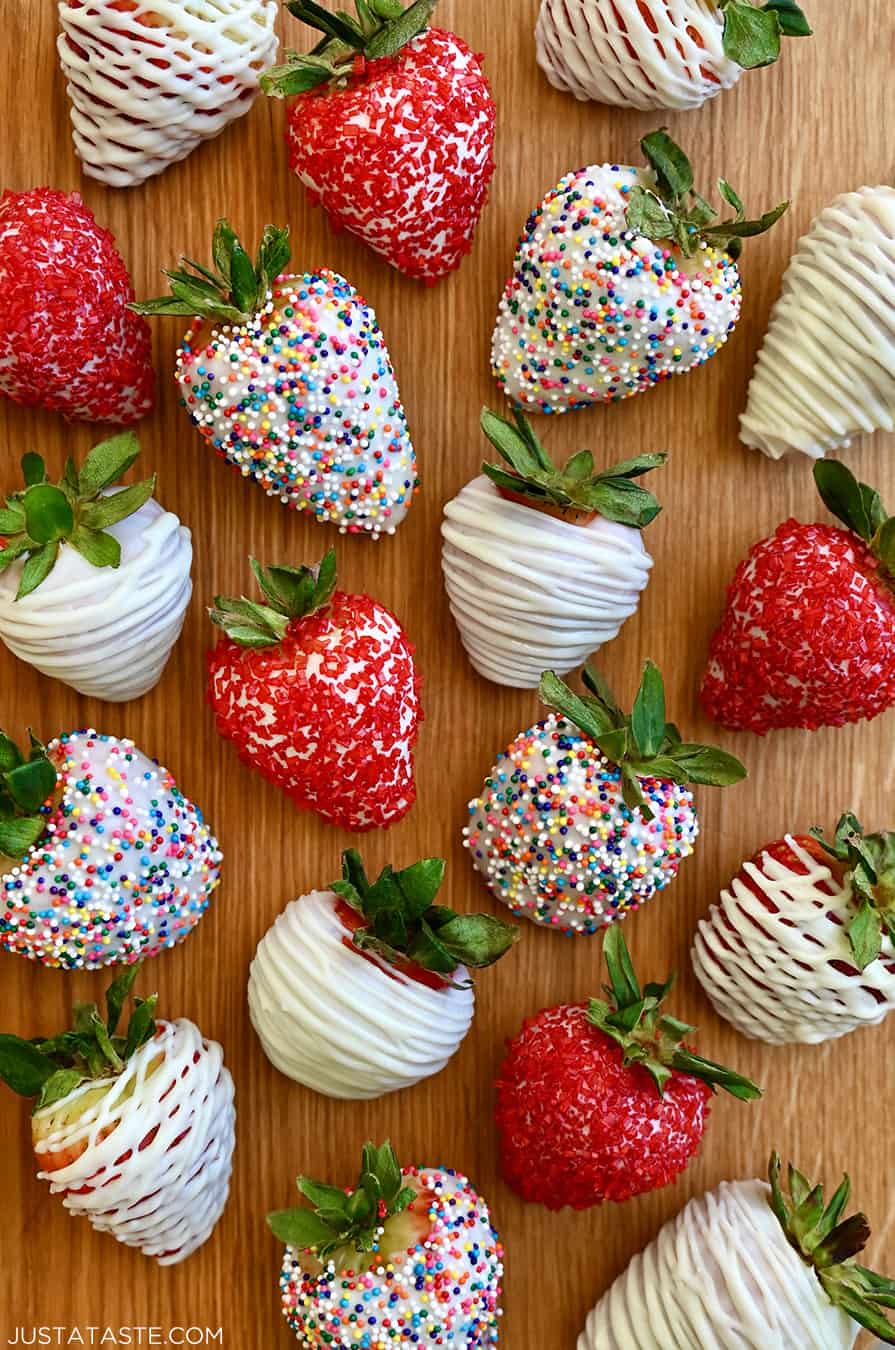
point(806, 129)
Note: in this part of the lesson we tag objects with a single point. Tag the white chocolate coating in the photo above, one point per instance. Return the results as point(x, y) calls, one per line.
point(826, 369)
point(106, 631)
point(531, 592)
point(774, 975)
point(146, 91)
point(168, 1194)
point(341, 1024)
point(671, 56)
point(720, 1275)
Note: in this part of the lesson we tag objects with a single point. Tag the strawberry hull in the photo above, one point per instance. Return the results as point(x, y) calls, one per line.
point(402, 157)
point(148, 1160)
point(329, 714)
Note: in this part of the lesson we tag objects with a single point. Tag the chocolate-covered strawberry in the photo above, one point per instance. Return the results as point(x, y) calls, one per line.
point(103, 860)
point(808, 635)
point(801, 945)
point(391, 130)
point(544, 564)
point(412, 1247)
point(288, 378)
point(318, 691)
point(604, 1100)
point(656, 54)
point(775, 1270)
point(94, 577)
point(623, 277)
point(133, 1128)
point(585, 815)
point(364, 988)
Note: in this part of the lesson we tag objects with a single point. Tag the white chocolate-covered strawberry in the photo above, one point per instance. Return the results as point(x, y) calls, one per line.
point(364, 989)
point(149, 80)
point(748, 1265)
point(543, 565)
point(94, 578)
point(288, 378)
point(413, 1247)
point(580, 821)
point(826, 369)
point(800, 946)
point(623, 277)
point(134, 1131)
point(103, 860)
point(658, 53)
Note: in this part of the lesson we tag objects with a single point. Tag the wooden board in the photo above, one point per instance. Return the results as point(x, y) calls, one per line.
point(806, 129)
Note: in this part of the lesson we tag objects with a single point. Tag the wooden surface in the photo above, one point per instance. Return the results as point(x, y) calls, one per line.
point(806, 129)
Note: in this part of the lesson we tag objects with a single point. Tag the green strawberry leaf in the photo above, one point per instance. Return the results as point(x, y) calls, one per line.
point(48, 513)
point(23, 1067)
point(34, 470)
point(751, 36)
point(107, 462)
point(18, 835)
point(793, 22)
point(106, 511)
point(62, 1083)
point(31, 784)
point(100, 549)
point(648, 713)
point(865, 935)
point(118, 993)
point(671, 166)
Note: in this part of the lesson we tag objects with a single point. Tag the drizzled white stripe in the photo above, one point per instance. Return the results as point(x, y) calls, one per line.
point(771, 974)
point(720, 1276)
point(132, 116)
point(826, 369)
point(167, 1196)
point(608, 51)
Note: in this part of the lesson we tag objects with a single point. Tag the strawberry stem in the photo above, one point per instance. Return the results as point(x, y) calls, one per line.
point(291, 593)
point(633, 1019)
point(643, 745)
point(871, 859)
point(829, 1244)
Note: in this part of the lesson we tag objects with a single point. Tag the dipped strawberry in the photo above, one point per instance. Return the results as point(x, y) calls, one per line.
point(94, 577)
point(585, 817)
point(603, 1100)
point(133, 1129)
point(411, 1247)
point(391, 130)
point(801, 946)
point(149, 84)
point(68, 341)
point(103, 860)
point(623, 277)
point(364, 988)
point(318, 691)
point(826, 369)
point(652, 54)
point(752, 1266)
point(808, 635)
point(543, 564)
point(289, 380)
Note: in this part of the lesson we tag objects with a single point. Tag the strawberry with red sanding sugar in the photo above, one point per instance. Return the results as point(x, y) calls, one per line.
point(318, 691)
point(68, 342)
point(808, 636)
point(603, 1100)
point(392, 131)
